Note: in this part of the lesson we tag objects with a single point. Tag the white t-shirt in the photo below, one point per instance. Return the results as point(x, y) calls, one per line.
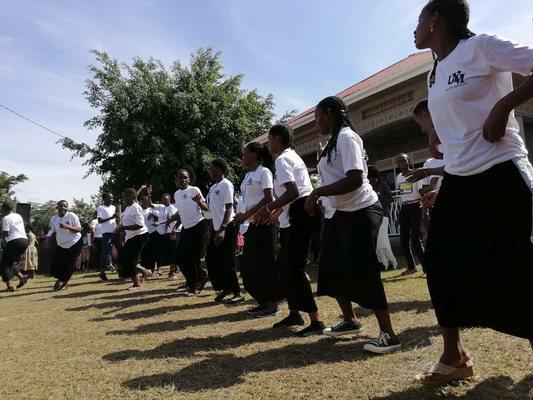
point(168, 213)
point(328, 210)
point(220, 194)
point(160, 213)
point(433, 163)
point(104, 212)
point(348, 156)
point(189, 210)
point(468, 83)
point(13, 224)
point(96, 227)
point(65, 238)
point(133, 215)
point(290, 168)
point(150, 217)
point(409, 191)
point(253, 185)
point(241, 208)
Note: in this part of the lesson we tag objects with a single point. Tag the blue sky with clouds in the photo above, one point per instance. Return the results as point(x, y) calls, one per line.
point(298, 50)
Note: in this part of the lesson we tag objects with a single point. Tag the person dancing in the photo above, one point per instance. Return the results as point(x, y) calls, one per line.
point(16, 244)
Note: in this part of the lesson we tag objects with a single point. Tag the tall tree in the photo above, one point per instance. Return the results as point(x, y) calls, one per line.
point(40, 215)
point(7, 182)
point(154, 121)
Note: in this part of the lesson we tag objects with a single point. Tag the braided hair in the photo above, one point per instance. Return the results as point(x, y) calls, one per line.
point(340, 120)
point(262, 154)
point(285, 133)
point(456, 15)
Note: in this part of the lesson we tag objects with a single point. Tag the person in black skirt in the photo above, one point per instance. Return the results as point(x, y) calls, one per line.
point(132, 225)
point(222, 245)
point(292, 185)
point(258, 267)
point(16, 244)
point(348, 269)
point(66, 228)
point(479, 255)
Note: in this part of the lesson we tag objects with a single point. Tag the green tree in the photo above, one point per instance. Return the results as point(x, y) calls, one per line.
point(84, 210)
point(155, 120)
point(40, 215)
point(7, 182)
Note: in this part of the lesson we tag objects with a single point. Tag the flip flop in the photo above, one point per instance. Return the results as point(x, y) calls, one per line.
point(442, 373)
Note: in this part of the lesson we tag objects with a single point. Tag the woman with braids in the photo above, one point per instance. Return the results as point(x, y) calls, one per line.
point(66, 228)
point(132, 223)
point(292, 185)
point(349, 269)
point(16, 244)
point(258, 268)
point(222, 245)
point(479, 256)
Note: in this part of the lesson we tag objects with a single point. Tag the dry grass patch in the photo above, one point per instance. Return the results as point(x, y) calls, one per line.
point(97, 341)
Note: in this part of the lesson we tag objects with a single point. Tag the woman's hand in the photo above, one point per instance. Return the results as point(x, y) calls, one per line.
point(429, 199)
point(416, 175)
point(240, 218)
point(119, 228)
point(494, 128)
point(219, 237)
point(198, 198)
point(310, 203)
point(262, 216)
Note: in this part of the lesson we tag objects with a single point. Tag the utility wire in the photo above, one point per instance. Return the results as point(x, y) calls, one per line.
point(33, 122)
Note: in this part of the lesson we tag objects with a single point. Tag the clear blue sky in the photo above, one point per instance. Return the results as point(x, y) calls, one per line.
point(298, 50)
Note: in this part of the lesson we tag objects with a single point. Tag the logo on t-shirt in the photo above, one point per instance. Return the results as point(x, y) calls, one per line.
point(217, 192)
point(406, 188)
point(456, 79)
point(184, 195)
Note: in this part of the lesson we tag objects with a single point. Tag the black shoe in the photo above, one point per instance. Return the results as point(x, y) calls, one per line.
point(57, 285)
point(10, 289)
point(221, 296)
point(267, 312)
point(344, 328)
point(256, 309)
point(384, 343)
point(290, 320)
point(22, 282)
point(103, 277)
point(235, 300)
point(201, 285)
point(315, 328)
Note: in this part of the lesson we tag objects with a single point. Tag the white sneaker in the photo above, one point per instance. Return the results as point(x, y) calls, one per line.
point(134, 288)
point(344, 328)
point(383, 344)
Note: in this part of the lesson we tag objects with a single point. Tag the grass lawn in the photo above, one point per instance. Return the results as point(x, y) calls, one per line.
point(98, 341)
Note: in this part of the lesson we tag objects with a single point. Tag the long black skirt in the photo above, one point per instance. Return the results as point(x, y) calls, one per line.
point(63, 261)
point(479, 253)
point(129, 254)
point(259, 274)
point(11, 256)
point(220, 260)
point(348, 266)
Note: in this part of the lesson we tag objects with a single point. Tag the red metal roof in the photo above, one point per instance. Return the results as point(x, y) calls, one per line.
point(395, 69)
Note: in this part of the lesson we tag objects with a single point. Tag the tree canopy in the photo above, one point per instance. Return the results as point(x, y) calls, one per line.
point(153, 120)
point(7, 182)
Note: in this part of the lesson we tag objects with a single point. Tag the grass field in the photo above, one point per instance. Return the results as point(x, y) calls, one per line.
point(98, 341)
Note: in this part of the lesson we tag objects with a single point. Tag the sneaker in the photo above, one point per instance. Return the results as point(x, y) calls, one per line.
point(220, 296)
point(57, 286)
point(133, 288)
point(267, 312)
point(192, 293)
point(171, 276)
point(256, 309)
point(10, 289)
point(383, 344)
point(235, 300)
point(344, 328)
point(201, 285)
point(103, 277)
point(315, 328)
point(22, 282)
point(290, 320)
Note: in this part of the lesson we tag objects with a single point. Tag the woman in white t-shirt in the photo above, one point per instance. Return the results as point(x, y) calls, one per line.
point(292, 185)
point(222, 245)
point(479, 256)
point(66, 228)
point(16, 244)
point(192, 236)
point(258, 266)
point(136, 234)
point(410, 214)
point(349, 269)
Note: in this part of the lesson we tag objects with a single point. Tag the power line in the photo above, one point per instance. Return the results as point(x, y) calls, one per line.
point(33, 122)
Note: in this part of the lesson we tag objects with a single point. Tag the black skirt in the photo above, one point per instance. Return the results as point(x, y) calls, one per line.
point(479, 253)
point(63, 261)
point(348, 266)
point(220, 260)
point(11, 256)
point(259, 274)
point(129, 254)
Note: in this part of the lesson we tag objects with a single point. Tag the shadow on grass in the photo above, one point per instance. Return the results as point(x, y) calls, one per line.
point(494, 388)
point(170, 326)
point(228, 370)
point(419, 306)
point(121, 304)
point(188, 347)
